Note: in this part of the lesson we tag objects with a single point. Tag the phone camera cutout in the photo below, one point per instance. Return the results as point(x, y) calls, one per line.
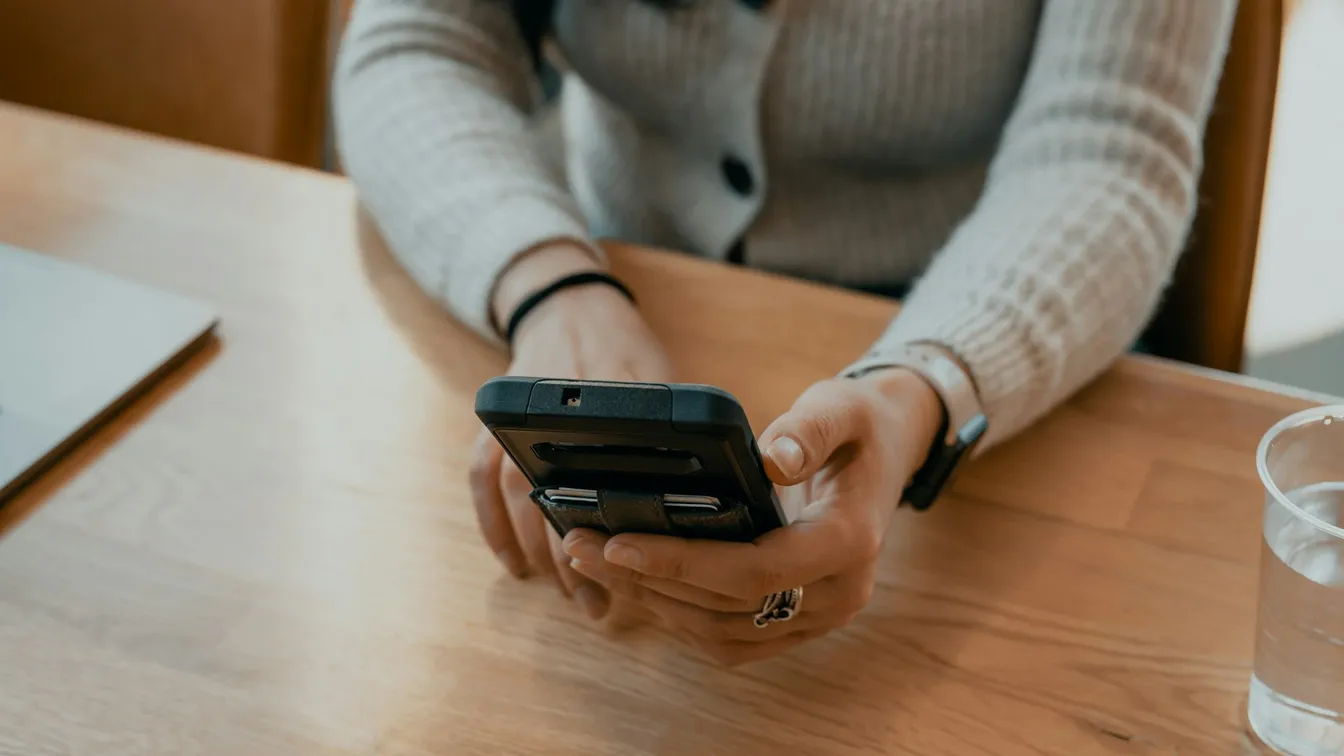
point(571, 397)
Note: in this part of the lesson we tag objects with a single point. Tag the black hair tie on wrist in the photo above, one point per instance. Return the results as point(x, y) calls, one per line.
point(568, 282)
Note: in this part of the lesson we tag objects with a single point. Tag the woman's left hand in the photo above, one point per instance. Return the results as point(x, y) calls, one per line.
point(850, 446)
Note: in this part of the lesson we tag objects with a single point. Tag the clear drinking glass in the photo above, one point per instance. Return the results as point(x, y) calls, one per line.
point(1297, 689)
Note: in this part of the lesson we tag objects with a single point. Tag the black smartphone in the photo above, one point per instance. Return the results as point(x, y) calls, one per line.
point(675, 459)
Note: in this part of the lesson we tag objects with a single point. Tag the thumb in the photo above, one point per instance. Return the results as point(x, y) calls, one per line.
point(797, 444)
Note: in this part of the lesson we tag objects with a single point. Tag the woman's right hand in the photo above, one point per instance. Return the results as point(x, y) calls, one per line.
point(590, 332)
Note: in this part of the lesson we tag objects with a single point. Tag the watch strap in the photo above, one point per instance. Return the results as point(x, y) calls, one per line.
point(941, 465)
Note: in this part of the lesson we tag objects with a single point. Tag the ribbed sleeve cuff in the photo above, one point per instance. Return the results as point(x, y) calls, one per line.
point(988, 338)
point(491, 245)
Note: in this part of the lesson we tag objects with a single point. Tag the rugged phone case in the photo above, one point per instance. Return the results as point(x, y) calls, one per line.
point(674, 459)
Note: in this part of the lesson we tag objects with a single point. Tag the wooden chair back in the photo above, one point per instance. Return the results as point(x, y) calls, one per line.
point(1202, 319)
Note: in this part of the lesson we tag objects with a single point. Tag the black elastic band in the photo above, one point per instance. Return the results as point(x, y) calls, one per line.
point(568, 282)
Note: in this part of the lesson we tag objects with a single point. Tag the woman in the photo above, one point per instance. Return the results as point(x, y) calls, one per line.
point(1032, 162)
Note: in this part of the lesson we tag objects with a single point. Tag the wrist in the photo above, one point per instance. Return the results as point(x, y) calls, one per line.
point(591, 308)
point(939, 418)
point(914, 397)
point(535, 269)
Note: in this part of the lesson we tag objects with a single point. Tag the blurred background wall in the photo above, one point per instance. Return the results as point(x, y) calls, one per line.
point(245, 75)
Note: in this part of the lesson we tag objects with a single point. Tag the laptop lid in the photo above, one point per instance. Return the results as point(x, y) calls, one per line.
point(75, 345)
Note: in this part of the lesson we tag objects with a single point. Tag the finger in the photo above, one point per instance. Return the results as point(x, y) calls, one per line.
point(738, 626)
point(584, 547)
point(827, 416)
point(842, 596)
point(711, 625)
point(589, 593)
point(735, 653)
point(608, 575)
point(529, 525)
point(491, 514)
point(802, 553)
point(569, 579)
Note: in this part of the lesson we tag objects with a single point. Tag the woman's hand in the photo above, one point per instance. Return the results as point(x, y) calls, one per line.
point(850, 446)
point(591, 332)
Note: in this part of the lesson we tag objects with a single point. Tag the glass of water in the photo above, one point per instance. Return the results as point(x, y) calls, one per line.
point(1297, 689)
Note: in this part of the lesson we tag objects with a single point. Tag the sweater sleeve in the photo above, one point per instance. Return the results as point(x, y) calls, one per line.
point(1085, 208)
point(432, 104)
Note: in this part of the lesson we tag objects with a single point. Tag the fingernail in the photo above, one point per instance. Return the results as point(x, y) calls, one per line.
point(624, 556)
point(592, 600)
point(512, 563)
point(787, 455)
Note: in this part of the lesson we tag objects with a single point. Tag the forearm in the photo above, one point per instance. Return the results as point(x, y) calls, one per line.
point(1086, 207)
point(1041, 290)
point(431, 105)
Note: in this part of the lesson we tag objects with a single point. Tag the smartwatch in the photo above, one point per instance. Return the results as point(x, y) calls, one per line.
point(964, 421)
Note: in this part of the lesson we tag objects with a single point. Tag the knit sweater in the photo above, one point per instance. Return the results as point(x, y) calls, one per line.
point(1032, 163)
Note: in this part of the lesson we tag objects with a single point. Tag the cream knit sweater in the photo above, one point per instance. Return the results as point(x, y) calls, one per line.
point(1032, 162)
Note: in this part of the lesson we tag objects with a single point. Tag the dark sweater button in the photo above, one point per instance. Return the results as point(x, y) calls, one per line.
point(738, 175)
point(737, 254)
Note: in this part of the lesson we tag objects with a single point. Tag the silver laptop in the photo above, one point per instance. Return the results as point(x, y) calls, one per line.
point(76, 345)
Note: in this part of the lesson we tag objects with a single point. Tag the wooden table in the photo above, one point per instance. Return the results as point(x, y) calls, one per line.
point(274, 553)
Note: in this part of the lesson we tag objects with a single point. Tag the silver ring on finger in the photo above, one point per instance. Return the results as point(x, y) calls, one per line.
point(780, 606)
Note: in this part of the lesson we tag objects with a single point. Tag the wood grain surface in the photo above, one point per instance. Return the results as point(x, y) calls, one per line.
point(274, 552)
